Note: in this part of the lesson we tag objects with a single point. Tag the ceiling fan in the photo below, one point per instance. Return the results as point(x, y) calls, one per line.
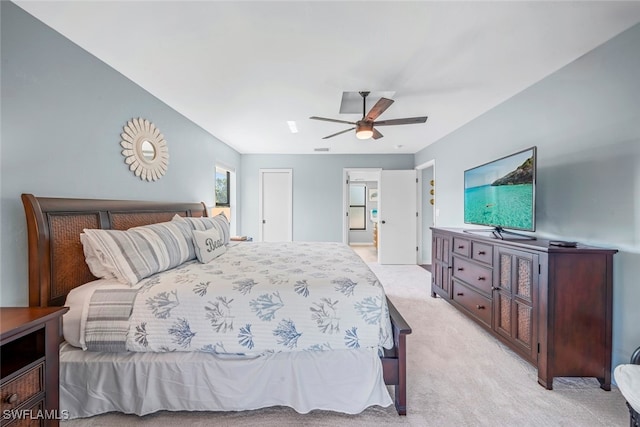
point(365, 127)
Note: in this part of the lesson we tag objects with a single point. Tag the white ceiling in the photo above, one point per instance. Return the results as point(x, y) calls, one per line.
point(242, 69)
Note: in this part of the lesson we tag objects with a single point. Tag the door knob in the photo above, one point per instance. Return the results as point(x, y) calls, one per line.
point(383, 221)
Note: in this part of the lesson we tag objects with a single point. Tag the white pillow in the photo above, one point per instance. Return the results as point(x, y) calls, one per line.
point(96, 265)
point(209, 244)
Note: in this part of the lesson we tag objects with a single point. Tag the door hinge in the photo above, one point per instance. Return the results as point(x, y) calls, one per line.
point(416, 249)
point(416, 213)
point(416, 180)
point(538, 348)
point(347, 214)
point(347, 182)
point(539, 269)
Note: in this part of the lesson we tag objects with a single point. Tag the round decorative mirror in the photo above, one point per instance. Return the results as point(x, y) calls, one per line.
point(145, 149)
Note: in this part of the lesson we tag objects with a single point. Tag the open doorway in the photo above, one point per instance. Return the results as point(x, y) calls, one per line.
point(361, 208)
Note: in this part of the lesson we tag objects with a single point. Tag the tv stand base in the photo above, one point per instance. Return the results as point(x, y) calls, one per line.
point(498, 233)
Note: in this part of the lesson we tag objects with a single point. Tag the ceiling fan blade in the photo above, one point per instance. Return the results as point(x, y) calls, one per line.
point(336, 134)
point(379, 108)
point(376, 134)
point(405, 121)
point(332, 120)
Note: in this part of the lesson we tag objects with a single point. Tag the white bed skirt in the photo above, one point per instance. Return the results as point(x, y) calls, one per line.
point(346, 381)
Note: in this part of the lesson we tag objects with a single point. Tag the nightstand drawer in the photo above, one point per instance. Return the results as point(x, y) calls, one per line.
point(22, 388)
point(30, 417)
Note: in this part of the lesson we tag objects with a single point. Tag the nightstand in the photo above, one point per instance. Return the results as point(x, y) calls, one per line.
point(29, 365)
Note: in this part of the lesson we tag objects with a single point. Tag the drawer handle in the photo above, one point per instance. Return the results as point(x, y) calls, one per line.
point(493, 288)
point(481, 252)
point(460, 294)
point(460, 246)
point(480, 307)
point(481, 278)
point(460, 269)
point(12, 399)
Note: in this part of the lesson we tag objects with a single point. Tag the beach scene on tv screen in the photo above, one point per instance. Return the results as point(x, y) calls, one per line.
point(501, 193)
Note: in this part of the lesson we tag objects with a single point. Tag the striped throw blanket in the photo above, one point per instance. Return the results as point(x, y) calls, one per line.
point(107, 321)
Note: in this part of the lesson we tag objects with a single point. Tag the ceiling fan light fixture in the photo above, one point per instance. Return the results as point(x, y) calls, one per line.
point(364, 130)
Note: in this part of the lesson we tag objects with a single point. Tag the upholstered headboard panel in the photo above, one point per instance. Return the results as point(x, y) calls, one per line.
point(56, 259)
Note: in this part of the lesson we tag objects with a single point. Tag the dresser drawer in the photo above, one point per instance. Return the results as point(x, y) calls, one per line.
point(461, 246)
point(22, 388)
point(476, 304)
point(482, 252)
point(473, 274)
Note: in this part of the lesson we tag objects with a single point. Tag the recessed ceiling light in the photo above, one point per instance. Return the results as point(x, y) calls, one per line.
point(292, 126)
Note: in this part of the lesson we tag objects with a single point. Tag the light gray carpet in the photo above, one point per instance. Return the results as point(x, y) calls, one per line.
point(458, 375)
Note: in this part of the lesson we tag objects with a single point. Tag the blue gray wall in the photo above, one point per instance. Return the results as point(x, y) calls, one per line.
point(317, 189)
point(62, 115)
point(585, 121)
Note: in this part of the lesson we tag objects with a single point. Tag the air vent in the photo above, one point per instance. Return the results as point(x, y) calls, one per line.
point(321, 149)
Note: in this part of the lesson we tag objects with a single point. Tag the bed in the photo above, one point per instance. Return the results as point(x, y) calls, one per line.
point(304, 380)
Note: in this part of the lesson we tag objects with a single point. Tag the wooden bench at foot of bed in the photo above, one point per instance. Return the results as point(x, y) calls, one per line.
point(56, 258)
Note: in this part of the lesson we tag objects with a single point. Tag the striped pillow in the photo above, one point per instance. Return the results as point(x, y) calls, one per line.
point(219, 221)
point(142, 251)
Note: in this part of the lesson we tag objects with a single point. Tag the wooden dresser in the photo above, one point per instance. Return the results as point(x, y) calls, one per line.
point(29, 360)
point(552, 305)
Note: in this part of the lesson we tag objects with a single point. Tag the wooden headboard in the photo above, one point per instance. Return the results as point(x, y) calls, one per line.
point(56, 258)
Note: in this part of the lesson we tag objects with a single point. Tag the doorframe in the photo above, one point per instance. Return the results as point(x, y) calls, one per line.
point(261, 173)
point(345, 198)
point(419, 168)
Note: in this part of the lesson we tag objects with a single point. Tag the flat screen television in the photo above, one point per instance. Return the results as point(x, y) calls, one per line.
point(502, 193)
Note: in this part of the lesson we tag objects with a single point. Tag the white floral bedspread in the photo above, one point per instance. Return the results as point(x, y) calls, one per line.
point(263, 297)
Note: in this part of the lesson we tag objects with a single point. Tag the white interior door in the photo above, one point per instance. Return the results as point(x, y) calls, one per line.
point(397, 217)
point(276, 205)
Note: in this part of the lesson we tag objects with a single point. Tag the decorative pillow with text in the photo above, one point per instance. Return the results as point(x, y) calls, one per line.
point(209, 244)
